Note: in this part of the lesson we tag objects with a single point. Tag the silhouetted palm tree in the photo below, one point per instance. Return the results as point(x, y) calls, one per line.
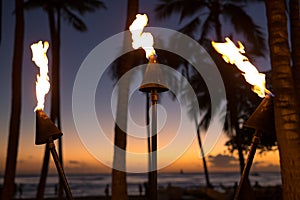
point(286, 106)
point(119, 183)
point(204, 24)
point(241, 102)
point(69, 10)
point(204, 16)
point(14, 125)
point(295, 42)
point(201, 121)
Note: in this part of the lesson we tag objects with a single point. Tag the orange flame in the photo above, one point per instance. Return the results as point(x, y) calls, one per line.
point(233, 55)
point(140, 38)
point(42, 84)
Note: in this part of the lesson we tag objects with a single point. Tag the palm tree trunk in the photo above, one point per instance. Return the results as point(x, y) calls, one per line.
point(295, 43)
point(119, 184)
point(285, 104)
point(246, 192)
point(240, 150)
point(14, 126)
point(56, 102)
point(208, 184)
point(232, 113)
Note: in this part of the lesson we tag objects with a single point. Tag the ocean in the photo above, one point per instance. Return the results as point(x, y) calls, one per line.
point(94, 184)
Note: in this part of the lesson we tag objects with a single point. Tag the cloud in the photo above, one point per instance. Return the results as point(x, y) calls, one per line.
point(263, 166)
point(74, 162)
point(223, 161)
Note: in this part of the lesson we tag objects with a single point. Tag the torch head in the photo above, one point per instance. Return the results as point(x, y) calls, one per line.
point(45, 129)
point(262, 118)
point(153, 77)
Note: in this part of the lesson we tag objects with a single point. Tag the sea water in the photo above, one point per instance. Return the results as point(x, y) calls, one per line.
point(95, 184)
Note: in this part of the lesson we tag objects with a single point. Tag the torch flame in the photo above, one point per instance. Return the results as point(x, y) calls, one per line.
point(140, 38)
point(42, 84)
point(233, 55)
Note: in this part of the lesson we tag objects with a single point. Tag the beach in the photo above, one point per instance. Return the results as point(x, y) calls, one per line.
point(171, 185)
point(176, 193)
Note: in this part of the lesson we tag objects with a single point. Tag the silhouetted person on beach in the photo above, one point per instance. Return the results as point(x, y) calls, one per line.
point(20, 189)
point(15, 189)
point(55, 189)
point(235, 187)
point(146, 186)
point(140, 189)
point(256, 185)
point(106, 190)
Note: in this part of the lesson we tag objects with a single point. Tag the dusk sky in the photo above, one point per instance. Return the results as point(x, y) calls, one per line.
point(75, 47)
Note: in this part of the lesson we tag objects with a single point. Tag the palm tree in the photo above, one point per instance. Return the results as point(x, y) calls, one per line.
point(286, 110)
point(119, 183)
point(14, 126)
point(199, 86)
point(241, 103)
point(69, 10)
point(242, 23)
point(194, 11)
point(295, 42)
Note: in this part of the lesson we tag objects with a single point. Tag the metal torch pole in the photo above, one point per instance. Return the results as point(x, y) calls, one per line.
point(60, 169)
point(246, 170)
point(148, 145)
point(153, 187)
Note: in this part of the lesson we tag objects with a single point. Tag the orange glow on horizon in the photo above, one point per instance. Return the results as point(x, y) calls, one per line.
point(77, 159)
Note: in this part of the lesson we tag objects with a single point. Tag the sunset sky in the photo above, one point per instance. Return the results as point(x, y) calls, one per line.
point(75, 47)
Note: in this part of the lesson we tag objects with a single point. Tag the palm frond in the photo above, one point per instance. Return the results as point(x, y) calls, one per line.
point(246, 1)
point(205, 122)
point(168, 7)
point(75, 21)
point(206, 28)
point(203, 100)
point(84, 6)
point(191, 27)
point(33, 4)
point(243, 24)
point(192, 7)
point(185, 8)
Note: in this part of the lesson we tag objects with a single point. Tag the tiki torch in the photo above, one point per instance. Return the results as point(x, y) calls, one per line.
point(46, 131)
point(262, 120)
point(152, 83)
